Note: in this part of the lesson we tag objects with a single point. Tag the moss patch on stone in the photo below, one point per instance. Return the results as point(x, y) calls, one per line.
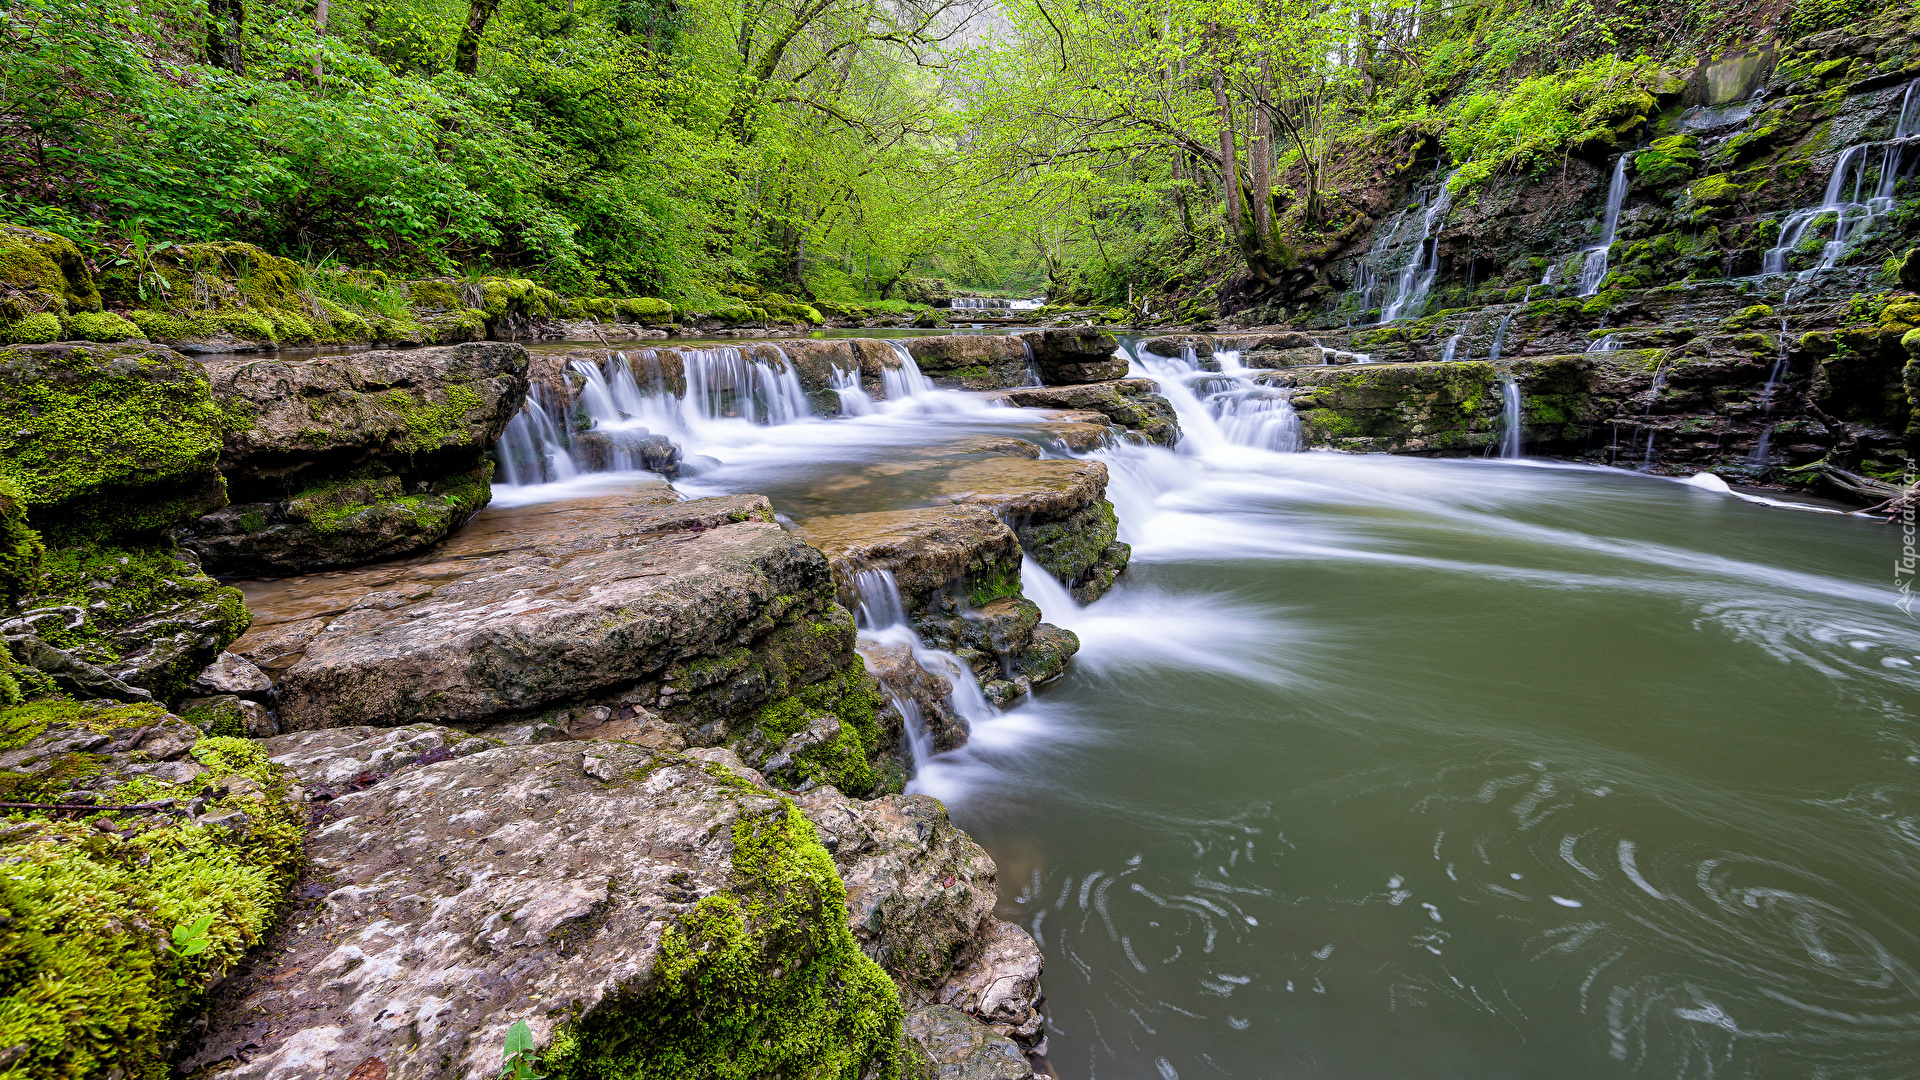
point(88, 984)
point(764, 979)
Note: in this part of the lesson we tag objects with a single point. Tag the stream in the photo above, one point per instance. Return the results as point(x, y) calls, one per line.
point(1375, 766)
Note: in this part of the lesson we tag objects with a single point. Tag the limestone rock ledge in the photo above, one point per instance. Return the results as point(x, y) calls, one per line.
point(597, 890)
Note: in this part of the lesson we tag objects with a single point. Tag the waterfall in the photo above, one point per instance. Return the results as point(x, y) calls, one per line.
point(1500, 338)
point(1594, 270)
point(1033, 369)
point(1854, 212)
point(1416, 277)
point(1605, 344)
point(1509, 417)
point(1453, 343)
point(1223, 408)
point(880, 615)
point(853, 400)
point(904, 381)
point(1759, 455)
point(533, 448)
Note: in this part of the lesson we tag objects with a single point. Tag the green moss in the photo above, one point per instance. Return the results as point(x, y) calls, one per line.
point(123, 438)
point(118, 585)
point(21, 551)
point(431, 424)
point(98, 326)
point(42, 272)
point(90, 988)
point(764, 979)
point(1668, 162)
point(1717, 190)
point(32, 329)
point(643, 309)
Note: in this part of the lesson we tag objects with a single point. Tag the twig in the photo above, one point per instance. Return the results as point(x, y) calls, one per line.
point(88, 808)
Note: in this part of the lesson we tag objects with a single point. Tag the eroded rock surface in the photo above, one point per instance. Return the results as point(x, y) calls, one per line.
point(1077, 355)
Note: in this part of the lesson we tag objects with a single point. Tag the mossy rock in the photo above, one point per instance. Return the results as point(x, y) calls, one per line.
point(98, 906)
point(122, 438)
point(101, 326)
point(20, 548)
point(41, 272)
point(1668, 162)
point(35, 329)
point(210, 277)
point(1717, 190)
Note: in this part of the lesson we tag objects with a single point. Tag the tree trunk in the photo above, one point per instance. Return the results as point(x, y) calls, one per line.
point(1229, 175)
point(466, 54)
point(1262, 152)
point(226, 26)
point(320, 29)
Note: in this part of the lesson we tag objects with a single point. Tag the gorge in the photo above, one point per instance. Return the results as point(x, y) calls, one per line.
point(1428, 597)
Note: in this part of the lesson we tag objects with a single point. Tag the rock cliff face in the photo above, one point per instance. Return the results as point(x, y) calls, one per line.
point(1715, 288)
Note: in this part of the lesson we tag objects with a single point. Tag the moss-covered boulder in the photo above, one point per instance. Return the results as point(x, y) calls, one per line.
point(661, 914)
point(116, 922)
point(42, 278)
point(119, 439)
point(20, 546)
point(1079, 355)
point(1399, 407)
point(340, 523)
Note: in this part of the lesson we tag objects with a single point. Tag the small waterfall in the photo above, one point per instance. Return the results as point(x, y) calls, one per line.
point(974, 303)
point(904, 381)
point(1861, 204)
point(533, 448)
point(1605, 344)
point(1416, 277)
point(1509, 417)
point(1759, 455)
point(1500, 338)
point(1594, 270)
point(725, 383)
point(1453, 344)
point(853, 400)
point(1330, 355)
point(1223, 408)
point(1653, 396)
point(1033, 369)
point(881, 616)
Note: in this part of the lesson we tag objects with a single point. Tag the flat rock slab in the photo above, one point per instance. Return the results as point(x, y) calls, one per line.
point(927, 550)
point(541, 606)
point(516, 883)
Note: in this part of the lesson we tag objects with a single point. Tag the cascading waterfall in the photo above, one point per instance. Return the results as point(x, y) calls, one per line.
point(1594, 270)
point(881, 616)
point(1453, 344)
point(1509, 417)
point(853, 400)
point(725, 383)
point(904, 381)
point(1499, 338)
point(1223, 408)
point(533, 449)
point(1856, 212)
point(1033, 368)
point(1416, 277)
point(1759, 455)
point(1605, 344)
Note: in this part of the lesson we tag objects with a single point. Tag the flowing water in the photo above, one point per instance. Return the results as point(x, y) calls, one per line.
point(1593, 268)
point(1380, 767)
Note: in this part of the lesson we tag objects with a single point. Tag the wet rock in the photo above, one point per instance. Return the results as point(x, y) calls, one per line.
point(1134, 404)
point(538, 884)
point(70, 673)
point(231, 674)
point(1282, 358)
point(972, 361)
point(620, 451)
point(1077, 355)
point(1000, 985)
point(228, 715)
point(908, 684)
point(340, 524)
point(704, 608)
point(1059, 510)
point(920, 892)
point(950, 1045)
point(932, 552)
point(1176, 345)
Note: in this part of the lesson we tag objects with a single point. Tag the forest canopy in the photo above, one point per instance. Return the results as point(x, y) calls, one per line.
point(835, 149)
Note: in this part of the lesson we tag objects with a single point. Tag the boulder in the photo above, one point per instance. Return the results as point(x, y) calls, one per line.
point(932, 552)
point(973, 361)
point(42, 277)
point(619, 901)
point(704, 612)
point(115, 439)
point(1000, 984)
point(225, 714)
point(1173, 346)
point(235, 675)
point(422, 413)
point(1059, 510)
point(622, 451)
point(1077, 355)
point(947, 1044)
point(95, 896)
point(1134, 404)
point(920, 893)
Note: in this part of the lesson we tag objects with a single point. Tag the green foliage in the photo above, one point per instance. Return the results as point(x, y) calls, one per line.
point(519, 1061)
point(764, 979)
point(1530, 124)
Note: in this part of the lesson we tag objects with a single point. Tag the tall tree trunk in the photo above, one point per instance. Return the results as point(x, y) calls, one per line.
point(226, 28)
point(466, 54)
point(320, 29)
point(1229, 175)
point(1262, 152)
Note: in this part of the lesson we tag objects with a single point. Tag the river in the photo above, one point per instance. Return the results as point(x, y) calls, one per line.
point(1389, 767)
